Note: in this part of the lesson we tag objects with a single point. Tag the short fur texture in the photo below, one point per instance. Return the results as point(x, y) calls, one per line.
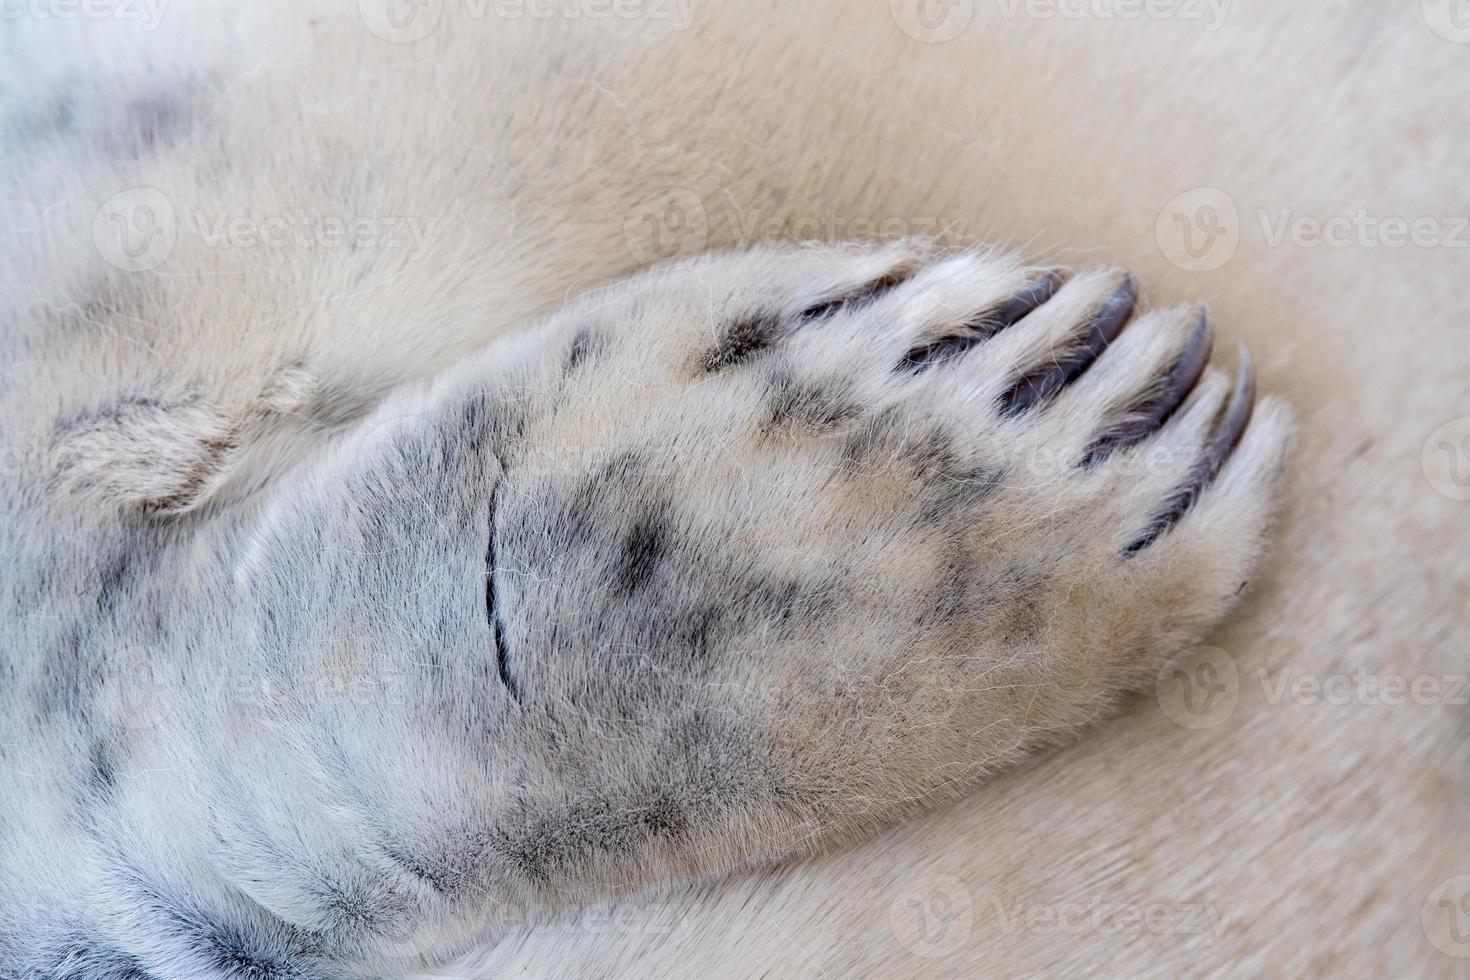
point(343, 642)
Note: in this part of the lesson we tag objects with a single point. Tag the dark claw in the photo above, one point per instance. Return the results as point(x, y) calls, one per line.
point(985, 326)
point(1147, 417)
point(1015, 309)
point(1043, 383)
point(1237, 417)
point(867, 293)
point(1222, 442)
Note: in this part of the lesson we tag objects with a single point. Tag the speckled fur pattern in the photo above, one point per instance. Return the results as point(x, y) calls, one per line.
point(370, 603)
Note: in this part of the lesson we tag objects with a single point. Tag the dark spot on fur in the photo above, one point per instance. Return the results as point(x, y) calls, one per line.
point(83, 958)
point(931, 454)
point(125, 408)
point(60, 117)
point(741, 340)
point(155, 121)
point(785, 601)
point(585, 346)
point(893, 440)
point(642, 551)
point(142, 125)
point(760, 604)
point(235, 958)
point(335, 405)
point(68, 678)
point(707, 767)
point(53, 119)
point(950, 483)
point(622, 469)
point(1021, 622)
point(113, 578)
point(663, 815)
point(264, 949)
point(358, 908)
point(436, 878)
point(552, 842)
point(696, 629)
point(953, 494)
point(577, 519)
point(719, 765)
point(817, 405)
point(101, 768)
point(1009, 601)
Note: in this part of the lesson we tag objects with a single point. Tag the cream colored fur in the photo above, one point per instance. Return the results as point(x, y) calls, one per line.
point(1288, 838)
